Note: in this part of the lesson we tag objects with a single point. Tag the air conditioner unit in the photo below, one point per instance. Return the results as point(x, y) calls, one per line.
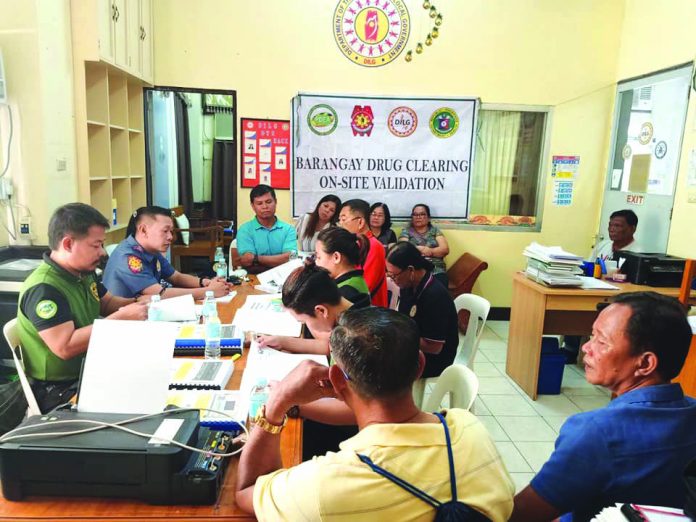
point(3, 81)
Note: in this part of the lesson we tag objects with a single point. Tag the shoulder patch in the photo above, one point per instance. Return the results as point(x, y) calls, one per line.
point(138, 248)
point(135, 264)
point(46, 309)
point(159, 266)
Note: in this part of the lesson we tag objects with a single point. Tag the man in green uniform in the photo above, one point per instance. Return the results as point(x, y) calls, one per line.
point(60, 300)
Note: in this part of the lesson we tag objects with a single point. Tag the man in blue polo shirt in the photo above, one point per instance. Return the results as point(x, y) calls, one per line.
point(265, 241)
point(636, 448)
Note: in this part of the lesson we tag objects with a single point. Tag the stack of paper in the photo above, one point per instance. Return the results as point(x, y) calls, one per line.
point(200, 374)
point(277, 276)
point(553, 266)
point(265, 314)
point(225, 401)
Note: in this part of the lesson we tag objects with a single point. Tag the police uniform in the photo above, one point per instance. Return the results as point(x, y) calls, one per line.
point(131, 269)
point(51, 296)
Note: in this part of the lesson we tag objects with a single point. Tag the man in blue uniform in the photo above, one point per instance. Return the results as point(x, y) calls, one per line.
point(137, 266)
point(265, 241)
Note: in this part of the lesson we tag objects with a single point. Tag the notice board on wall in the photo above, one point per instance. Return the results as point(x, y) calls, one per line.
point(400, 151)
point(265, 153)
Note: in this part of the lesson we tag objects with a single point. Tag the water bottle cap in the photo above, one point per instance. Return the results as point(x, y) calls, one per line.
point(262, 382)
point(209, 293)
point(155, 298)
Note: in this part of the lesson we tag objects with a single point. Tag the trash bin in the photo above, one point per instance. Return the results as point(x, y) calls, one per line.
point(550, 367)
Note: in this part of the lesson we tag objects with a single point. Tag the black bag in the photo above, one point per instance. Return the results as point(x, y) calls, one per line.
point(13, 405)
point(450, 511)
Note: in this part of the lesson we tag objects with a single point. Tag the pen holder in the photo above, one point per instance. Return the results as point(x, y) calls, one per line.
point(588, 268)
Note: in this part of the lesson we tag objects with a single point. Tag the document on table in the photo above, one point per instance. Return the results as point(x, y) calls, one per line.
point(127, 367)
point(277, 276)
point(265, 314)
point(180, 308)
point(590, 283)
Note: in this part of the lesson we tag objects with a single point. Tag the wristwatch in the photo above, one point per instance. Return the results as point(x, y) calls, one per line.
point(256, 259)
point(261, 421)
point(200, 282)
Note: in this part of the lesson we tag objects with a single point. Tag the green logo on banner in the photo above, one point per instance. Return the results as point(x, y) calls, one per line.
point(444, 122)
point(322, 119)
point(46, 309)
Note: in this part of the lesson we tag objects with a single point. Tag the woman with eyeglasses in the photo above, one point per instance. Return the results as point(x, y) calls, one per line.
point(324, 215)
point(428, 239)
point(339, 252)
point(426, 301)
point(380, 224)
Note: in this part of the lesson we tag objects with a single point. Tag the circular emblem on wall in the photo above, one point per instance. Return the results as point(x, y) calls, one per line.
point(322, 119)
point(626, 152)
point(93, 289)
point(646, 133)
point(46, 309)
point(661, 149)
point(362, 120)
point(402, 122)
point(444, 122)
point(371, 32)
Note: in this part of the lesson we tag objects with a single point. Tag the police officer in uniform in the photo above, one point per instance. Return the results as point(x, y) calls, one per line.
point(137, 266)
point(60, 300)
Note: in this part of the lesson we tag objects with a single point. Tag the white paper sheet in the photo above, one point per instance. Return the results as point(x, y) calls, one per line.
point(267, 322)
point(127, 367)
point(279, 274)
point(590, 283)
point(180, 308)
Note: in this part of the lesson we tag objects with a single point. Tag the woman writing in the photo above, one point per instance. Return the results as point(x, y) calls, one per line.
point(428, 239)
point(426, 301)
point(380, 224)
point(339, 252)
point(309, 225)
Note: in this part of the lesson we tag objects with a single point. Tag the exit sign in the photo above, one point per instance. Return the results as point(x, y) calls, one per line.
point(635, 199)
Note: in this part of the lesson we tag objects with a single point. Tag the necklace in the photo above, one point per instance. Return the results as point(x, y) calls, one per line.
point(414, 308)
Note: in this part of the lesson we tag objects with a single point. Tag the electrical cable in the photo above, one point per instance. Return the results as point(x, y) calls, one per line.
point(14, 222)
point(10, 435)
point(9, 143)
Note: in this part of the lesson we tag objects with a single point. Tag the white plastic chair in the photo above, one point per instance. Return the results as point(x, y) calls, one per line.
point(395, 292)
point(478, 308)
point(460, 383)
point(12, 338)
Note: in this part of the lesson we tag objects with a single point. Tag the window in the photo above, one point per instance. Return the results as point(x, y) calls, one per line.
point(505, 184)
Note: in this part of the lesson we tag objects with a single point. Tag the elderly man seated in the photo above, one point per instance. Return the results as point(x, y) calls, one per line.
point(377, 359)
point(634, 449)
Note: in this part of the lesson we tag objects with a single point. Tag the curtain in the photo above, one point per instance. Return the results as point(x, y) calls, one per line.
point(183, 153)
point(224, 180)
point(494, 164)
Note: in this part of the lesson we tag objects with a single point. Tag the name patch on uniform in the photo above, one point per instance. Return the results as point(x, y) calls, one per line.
point(46, 309)
point(135, 264)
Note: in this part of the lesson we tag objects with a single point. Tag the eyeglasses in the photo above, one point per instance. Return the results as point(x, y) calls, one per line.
point(342, 220)
point(393, 276)
point(419, 214)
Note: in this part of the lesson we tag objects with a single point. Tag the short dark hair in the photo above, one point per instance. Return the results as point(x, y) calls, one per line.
point(307, 287)
point(387, 215)
point(658, 324)
point(378, 349)
point(628, 215)
point(354, 247)
point(74, 219)
point(261, 190)
point(404, 254)
point(137, 217)
point(359, 206)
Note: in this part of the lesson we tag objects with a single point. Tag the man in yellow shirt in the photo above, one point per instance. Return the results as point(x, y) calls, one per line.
point(377, 359)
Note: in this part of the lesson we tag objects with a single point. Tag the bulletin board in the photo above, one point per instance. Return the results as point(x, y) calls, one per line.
point(265, 153)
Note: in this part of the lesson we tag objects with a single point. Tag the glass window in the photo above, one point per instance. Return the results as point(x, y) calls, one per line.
point(505, 186)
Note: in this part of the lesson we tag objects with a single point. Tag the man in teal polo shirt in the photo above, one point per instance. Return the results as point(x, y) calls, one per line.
point(265, 241)
point(60, 300)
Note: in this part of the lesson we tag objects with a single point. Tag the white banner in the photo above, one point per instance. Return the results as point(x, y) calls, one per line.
point(401, 151)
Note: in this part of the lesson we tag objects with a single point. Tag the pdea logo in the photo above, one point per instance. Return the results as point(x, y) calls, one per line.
point(371, 32)
point(322, 119)
point(402, 122)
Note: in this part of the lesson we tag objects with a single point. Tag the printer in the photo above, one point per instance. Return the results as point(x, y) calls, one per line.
point(651, 269)
point(112, 463)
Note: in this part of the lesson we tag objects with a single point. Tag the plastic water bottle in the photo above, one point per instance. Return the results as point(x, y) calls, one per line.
point(208, 305)
point(221, 270)
point(154, 312)
point(212, 336)
point(258, 397)
point(293, 255)
point(219, 256)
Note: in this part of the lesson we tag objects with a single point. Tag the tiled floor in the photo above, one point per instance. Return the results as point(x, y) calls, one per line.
point(525, 430)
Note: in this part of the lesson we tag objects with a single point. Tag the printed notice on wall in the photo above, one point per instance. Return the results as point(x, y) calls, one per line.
point(562, 193)
point(265, 153)
point(565, 167)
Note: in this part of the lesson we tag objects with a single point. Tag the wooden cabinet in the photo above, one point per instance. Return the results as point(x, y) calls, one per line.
point(118, 32)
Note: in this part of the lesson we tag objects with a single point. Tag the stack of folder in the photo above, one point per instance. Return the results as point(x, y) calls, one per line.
point(553, 266)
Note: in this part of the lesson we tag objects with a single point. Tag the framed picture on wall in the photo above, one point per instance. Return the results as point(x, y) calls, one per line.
point(265, 151)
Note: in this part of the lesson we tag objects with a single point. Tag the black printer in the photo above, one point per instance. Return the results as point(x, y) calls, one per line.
point(112, 463)
point(651, 269)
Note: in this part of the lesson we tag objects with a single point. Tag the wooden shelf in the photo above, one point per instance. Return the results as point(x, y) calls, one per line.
point(135, 131)
point(116, 127)
point(96, 123)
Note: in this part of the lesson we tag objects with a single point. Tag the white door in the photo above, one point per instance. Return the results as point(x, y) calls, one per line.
point(644, 160)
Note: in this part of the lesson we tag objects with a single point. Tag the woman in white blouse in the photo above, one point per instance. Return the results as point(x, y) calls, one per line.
point(324, 216)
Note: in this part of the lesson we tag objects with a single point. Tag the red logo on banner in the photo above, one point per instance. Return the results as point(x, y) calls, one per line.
point(362, 120)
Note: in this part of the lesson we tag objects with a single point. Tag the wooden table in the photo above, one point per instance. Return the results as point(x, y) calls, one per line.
point(537, 310)
point(76, 508)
